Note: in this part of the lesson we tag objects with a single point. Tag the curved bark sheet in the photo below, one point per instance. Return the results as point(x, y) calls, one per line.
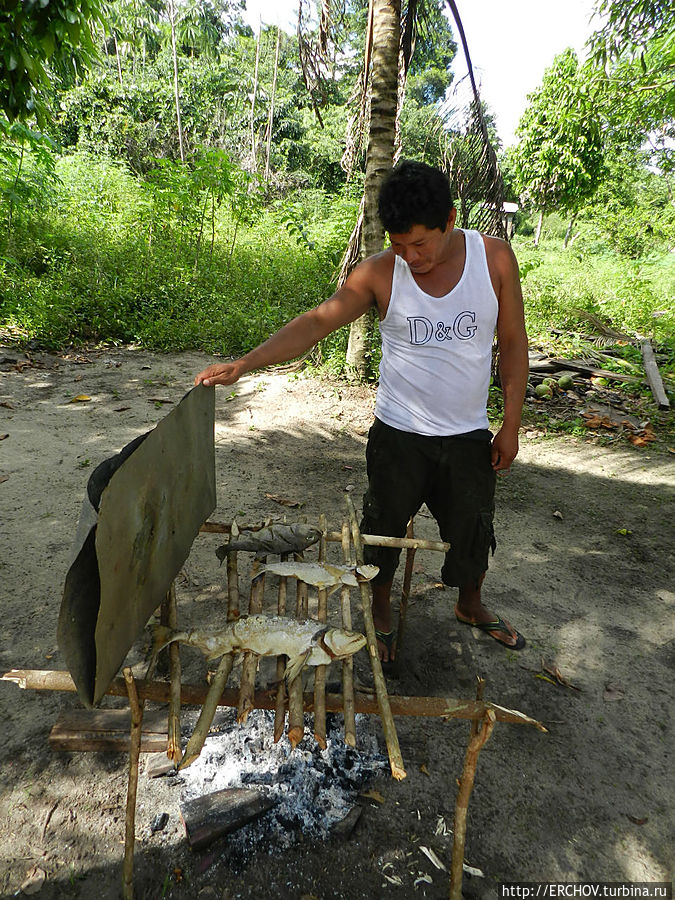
point(154, 496)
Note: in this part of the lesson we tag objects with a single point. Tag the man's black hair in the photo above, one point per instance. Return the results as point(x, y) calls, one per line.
point(414, 194)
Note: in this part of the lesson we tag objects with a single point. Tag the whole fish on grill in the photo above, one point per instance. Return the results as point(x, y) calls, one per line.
point(322, 575)
point(275, 539)
point(304, 642)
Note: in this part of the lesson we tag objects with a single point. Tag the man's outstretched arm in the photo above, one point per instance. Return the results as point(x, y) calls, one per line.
point(303, 332)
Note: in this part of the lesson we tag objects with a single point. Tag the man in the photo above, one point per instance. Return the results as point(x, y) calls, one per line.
point(440, 292)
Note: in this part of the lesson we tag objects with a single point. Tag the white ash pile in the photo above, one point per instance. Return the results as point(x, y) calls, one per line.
point(312, 789)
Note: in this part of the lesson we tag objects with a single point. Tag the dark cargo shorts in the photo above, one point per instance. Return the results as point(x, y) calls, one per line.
point(452, 475)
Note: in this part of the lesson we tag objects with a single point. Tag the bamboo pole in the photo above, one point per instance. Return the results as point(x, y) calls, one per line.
point(132, 787)
point(222, 673)
point(388, 725)
point(405, 592)
point(347, 664)
point(249, 666)
point(195, 694)
point(478, 737)
point(296, 713)
point(320, 672)
point(173, 748)
point(280, 709)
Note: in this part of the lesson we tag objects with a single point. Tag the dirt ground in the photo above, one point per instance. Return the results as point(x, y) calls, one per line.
point(584, 569)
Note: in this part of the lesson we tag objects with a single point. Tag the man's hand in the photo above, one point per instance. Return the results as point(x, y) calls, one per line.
point(220, 373)
point(504, 449)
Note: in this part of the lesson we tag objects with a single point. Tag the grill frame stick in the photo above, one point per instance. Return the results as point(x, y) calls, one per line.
point(388, 724)
point(296, 711)
point(320, 673)
point(281, 704)
point(249, 666)
point(347, 664)
point(221, 675)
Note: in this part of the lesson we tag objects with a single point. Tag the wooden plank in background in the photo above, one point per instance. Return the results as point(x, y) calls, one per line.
point(107, 729)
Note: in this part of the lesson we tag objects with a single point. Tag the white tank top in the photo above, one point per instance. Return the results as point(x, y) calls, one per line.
point(437, 351)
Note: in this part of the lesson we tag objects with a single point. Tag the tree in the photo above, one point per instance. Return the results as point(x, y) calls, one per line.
point(559, 158)
point(34, 35)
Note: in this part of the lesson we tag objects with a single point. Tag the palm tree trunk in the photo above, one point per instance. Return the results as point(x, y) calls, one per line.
point(380, 153)
point(254, 166)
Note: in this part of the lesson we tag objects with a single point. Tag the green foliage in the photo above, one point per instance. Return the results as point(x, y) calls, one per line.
point(34, 33)
point(559, 158)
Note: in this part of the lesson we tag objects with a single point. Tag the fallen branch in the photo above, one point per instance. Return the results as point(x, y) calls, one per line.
point(477, 740)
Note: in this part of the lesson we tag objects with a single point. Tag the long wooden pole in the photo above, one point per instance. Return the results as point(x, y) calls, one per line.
point(195, 694)
point(388, 726)
point(173, 747)
point(405, 593)
point(132, 788)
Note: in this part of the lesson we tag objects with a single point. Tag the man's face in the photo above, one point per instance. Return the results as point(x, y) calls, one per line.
point(421, 247)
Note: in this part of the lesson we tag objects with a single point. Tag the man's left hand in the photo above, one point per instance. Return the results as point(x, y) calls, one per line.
point(504, 449)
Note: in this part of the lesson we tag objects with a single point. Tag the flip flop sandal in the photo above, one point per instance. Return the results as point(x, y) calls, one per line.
point(494, 628)
point(388, 638)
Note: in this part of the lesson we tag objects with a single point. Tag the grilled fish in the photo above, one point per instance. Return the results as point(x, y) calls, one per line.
point(304, 642)
point(322, 575)
point(275, 539)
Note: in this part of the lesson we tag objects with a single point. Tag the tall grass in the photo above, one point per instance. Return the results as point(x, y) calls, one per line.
point(92, 260)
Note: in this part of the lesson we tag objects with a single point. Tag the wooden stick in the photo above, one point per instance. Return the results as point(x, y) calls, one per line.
point(173, 748)
point(232, 587)
point(302, 598)
point(320, 672)
point(335, 537)
point(388, 725)
point(249, 666)
point(405, 592)
point(477, 739)
point(280, 709)
point(195, 695)
point(347, 664)
point(132, 788)
point(653, 375)
point(296, 713)
point(222, 673)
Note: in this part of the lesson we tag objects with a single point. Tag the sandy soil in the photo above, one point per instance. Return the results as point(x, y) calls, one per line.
point(584, 569)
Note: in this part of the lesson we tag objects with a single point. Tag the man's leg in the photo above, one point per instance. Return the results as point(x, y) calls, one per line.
point(470, 608)
point(383, 619)
point(397, 472)
point(462, 503)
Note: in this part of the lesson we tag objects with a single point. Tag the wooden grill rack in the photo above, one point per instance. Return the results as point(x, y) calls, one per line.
point(290, 703)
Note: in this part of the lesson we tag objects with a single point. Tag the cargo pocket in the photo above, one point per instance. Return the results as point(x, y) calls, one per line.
point(484, 540)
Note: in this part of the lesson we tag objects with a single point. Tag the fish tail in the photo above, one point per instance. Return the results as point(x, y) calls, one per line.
point(162, 635)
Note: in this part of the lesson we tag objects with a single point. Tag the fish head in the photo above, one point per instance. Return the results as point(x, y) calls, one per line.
point(307, 533)
point(343, 643)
